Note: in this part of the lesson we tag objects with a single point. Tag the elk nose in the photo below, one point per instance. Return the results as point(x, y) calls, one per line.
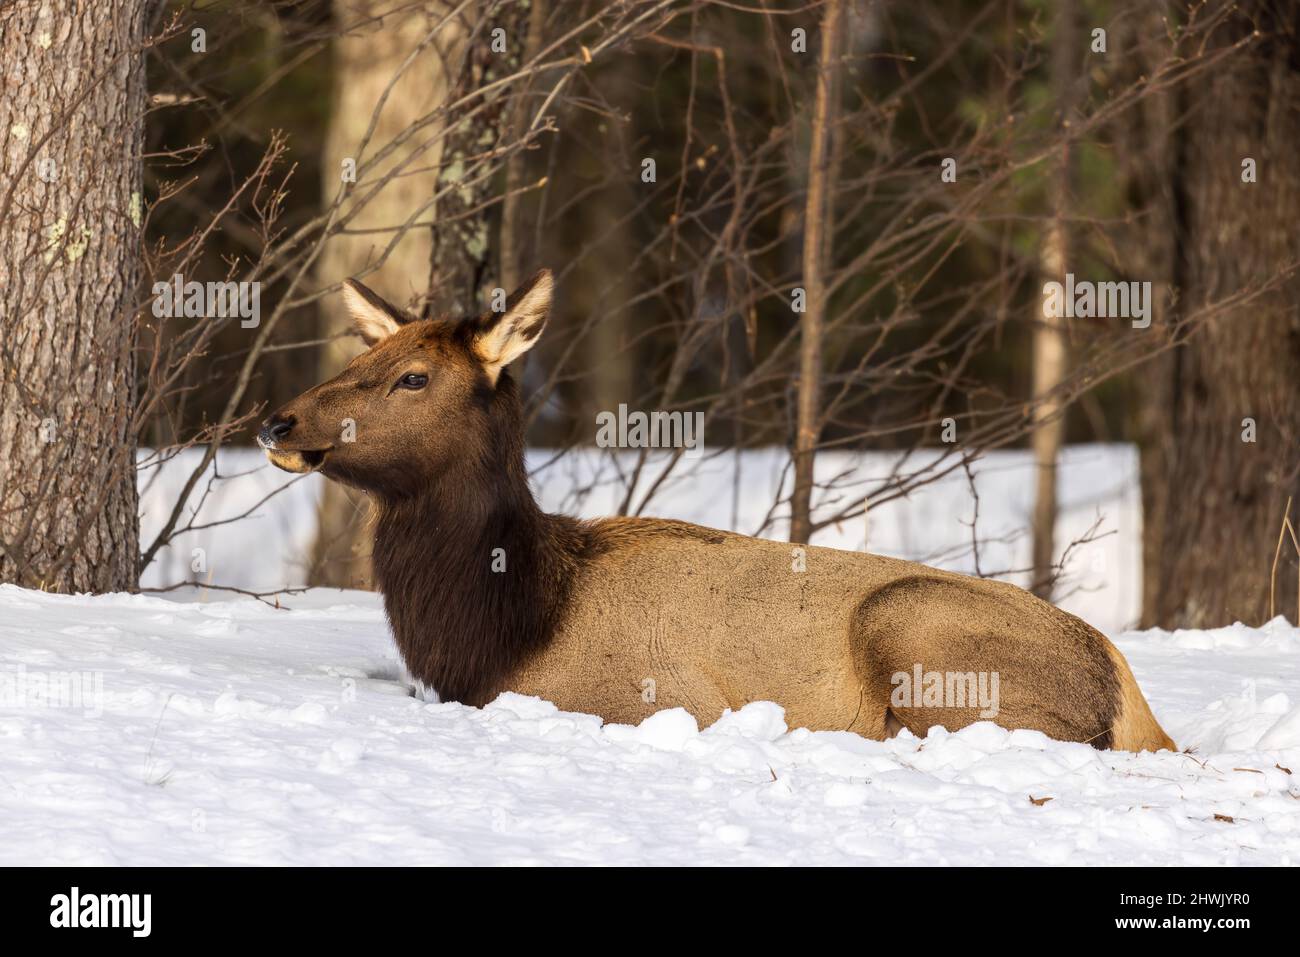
point(276, 428)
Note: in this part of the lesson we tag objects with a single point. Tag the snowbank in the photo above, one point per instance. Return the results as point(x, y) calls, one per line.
point(141, 730)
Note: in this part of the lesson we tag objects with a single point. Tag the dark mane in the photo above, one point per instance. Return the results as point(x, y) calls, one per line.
point(462, 627)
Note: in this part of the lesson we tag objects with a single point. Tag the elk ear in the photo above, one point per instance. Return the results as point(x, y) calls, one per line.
point(502, 337)
point(376, 319)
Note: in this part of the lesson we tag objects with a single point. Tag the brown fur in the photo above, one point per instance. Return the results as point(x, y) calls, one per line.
point(623, 617)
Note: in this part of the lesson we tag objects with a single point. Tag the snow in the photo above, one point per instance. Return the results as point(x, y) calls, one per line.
point(147, 730)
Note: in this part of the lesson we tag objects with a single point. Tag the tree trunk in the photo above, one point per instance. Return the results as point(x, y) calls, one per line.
point(1051, 359)
point(515, 251)
point(437, 270)
point(366, 60)
point(70, 212)
point(460, 262)
point(604, 225)
point(816, 256)
point(1222, 496)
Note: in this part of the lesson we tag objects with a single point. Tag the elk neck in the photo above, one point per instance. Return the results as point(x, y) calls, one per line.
point(475, 575)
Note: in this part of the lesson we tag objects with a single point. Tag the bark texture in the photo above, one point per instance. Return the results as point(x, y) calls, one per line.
point(1214, 501)
point(460, 262)
point(71, 114)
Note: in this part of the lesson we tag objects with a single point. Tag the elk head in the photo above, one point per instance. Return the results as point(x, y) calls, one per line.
point(428, 393)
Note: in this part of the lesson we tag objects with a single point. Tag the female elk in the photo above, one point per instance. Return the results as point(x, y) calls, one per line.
point(487, 593)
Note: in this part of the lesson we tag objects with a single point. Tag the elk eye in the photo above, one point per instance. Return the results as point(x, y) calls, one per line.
point(413, 380)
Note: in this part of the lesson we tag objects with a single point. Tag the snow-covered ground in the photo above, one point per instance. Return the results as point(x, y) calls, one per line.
point(142, 730)
point(201, 728)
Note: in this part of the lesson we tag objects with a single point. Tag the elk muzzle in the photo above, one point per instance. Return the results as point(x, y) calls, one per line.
point(277, 439)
